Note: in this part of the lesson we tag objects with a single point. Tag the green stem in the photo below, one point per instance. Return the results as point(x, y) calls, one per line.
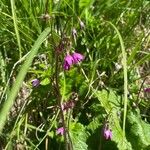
point(15, 26)
point(58, 95)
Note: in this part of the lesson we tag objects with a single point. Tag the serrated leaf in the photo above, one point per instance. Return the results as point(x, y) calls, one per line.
point(139, 131)
point(94, 124)
point(115, 101)
point(109, 101)
point(78, 136)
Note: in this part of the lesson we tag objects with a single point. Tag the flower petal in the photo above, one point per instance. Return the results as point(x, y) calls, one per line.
point(77, 57)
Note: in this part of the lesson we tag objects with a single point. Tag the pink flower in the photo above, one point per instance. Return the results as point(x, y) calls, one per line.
point(107, 134)
point(72, 59)
point(60, 131)
point(77, 57)
point(68, 61)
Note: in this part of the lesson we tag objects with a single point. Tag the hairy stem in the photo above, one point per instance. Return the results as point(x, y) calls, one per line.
point(59, 98)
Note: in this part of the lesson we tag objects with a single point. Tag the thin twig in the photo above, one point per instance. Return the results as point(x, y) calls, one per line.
point(137, 100)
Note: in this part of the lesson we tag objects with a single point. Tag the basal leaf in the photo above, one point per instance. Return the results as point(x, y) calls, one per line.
point(110, 101)
point(138, 131)
point(78, 136)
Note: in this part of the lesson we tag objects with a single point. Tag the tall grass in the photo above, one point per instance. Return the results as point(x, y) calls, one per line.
point(16, 26)
point(21, 75)
point(114, 40)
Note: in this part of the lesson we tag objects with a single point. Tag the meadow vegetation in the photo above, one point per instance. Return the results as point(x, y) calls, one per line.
point(75, 75)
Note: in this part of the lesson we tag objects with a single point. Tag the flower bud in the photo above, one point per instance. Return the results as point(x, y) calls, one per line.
point(35, 82)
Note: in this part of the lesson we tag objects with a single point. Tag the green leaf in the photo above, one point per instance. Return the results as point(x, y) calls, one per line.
point(138, 131)
point(78, 136)
point(94, 124)
point(109, 100)
point(46, 81)
point(84, 3)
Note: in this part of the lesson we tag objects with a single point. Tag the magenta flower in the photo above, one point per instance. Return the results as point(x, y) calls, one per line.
point(68, 61)
point(77, 57)
point(35, 82)
point(107, 134)
point(72, 59)
point(60, 131)
point(147, 90)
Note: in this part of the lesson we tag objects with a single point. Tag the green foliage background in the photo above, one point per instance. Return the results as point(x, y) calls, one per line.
point(30, 33)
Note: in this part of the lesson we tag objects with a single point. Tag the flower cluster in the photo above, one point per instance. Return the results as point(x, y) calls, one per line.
point(72, 59)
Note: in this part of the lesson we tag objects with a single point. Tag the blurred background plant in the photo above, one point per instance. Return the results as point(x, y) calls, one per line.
point(34, 34)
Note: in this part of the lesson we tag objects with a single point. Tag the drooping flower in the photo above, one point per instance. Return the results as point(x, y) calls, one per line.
point(77, 57)
point(68, 61)
point(35, 82)
point(147, 90)
point(60, 131)
point(107, 133)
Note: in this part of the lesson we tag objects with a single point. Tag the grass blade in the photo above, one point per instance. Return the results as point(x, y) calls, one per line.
point(15, 26)
point(124, 62)
point(21, 75)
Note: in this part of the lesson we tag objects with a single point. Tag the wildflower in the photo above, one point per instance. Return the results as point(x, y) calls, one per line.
point(68, 62)
point(60, 131)
point(35, 82)
point(147, 90)
point(77, 57)
point(107, 133)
